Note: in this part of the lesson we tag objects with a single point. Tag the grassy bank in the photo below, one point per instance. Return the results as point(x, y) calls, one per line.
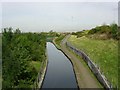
point(59, 39)
point(36, 65)
point(85, 65)
point(103, 52)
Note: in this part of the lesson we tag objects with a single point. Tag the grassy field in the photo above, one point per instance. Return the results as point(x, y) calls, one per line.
point(103, 52)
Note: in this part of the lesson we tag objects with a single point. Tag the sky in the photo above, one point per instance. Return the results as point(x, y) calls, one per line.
point(57, 16)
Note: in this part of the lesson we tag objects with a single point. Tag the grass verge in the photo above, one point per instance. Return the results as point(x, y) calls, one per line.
point(59, 39)
point(36, 65)
point(102, 52)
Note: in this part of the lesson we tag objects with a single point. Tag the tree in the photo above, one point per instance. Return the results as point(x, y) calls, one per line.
point(114, 30)
point(18, 50)
point(17, 31)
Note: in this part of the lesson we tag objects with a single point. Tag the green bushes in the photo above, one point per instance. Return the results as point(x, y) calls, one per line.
point(100, 29)
point(18, 50)
point(81, 33)
point(101, 45)
point(114, 31)
point(110, 30)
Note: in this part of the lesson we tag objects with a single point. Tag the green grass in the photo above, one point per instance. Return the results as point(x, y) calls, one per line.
point(59, 39)
point(102, 52)
point(36, 65)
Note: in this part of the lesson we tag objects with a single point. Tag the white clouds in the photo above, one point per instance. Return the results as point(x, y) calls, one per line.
point(59, 0)
point(58, 16)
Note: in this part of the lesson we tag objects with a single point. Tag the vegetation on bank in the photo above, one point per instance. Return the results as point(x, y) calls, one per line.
point(103, 53)
point(101, 32)
point(22, 55)
point(51, 35)
point(101, 45)
point(59, 39)
point(55, 37)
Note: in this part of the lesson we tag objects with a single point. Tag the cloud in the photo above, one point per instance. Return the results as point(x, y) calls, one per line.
point(65, 16)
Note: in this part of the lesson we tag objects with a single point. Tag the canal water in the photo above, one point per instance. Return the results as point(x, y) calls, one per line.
point(59, 72)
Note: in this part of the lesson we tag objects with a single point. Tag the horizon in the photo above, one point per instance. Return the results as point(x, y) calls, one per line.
point(58, 16)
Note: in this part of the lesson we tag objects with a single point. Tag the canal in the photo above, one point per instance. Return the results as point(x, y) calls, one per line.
point(59, 72)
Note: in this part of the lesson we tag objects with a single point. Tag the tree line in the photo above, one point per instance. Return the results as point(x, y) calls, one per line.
point(18, 50)
point(111, 31)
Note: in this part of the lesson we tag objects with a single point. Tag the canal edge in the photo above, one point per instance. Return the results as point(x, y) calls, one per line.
point(70, 61)
point(42, 77)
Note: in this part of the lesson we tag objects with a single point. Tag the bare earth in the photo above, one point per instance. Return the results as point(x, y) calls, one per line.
point(85, 78)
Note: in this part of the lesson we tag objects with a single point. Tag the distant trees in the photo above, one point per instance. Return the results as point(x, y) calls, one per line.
point(52, 34)
point(111, 31)
point(114, 31)
point(17, 31)
point(58, 39)
point(100, 29)
point(18, 50)
point(80, 33)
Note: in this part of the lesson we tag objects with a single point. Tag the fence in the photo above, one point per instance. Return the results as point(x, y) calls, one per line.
point(92, 66)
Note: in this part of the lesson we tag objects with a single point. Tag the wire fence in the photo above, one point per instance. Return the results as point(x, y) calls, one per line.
point(94, 68)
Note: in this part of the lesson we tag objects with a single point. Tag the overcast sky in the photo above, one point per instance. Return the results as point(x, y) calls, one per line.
point(58, 16)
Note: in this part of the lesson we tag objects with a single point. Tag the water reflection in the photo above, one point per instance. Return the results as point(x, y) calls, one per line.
point(60, 72)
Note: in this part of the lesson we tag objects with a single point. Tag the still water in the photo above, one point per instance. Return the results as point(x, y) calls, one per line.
point(60, 72)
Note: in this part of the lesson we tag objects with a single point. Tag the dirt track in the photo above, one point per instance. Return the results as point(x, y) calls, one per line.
point(84, 76)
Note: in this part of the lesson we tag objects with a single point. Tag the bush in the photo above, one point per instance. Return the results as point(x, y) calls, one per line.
point(18, 49)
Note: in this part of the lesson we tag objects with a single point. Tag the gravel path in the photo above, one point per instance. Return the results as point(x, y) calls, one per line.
point(84, 76)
